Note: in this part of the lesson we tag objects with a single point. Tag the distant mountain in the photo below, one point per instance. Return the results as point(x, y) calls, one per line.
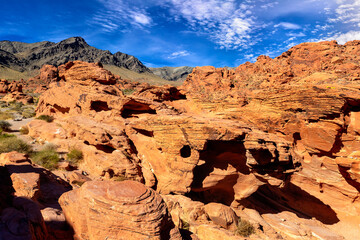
point(172, 73)
point(25, 57)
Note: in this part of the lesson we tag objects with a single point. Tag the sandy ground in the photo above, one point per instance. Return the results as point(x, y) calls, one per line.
point(16, 125)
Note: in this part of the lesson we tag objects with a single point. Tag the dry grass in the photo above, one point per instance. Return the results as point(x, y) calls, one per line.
point(10, 74)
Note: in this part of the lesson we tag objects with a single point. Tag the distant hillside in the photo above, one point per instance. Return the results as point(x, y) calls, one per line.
point(172, 73)
point(24, 59)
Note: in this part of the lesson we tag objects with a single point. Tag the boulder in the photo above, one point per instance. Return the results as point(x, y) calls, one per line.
point(117, 210)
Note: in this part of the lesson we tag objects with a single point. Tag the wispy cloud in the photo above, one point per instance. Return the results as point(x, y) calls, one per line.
point(288, 25)
point(178, 54)
point(120, 13)
point(348, 11)
point(226, 22)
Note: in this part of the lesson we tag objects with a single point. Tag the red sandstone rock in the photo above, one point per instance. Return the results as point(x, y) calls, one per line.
point(132, 211)
point(280, 130)
point(18, 97)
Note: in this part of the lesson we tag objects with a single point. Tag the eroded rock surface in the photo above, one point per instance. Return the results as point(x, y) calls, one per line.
point(118, 210)
point(277, 138)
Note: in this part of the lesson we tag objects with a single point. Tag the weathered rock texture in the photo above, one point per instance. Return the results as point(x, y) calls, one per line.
point(118, 210)
point(276, 140)
point(31, 197)
point(14, 92)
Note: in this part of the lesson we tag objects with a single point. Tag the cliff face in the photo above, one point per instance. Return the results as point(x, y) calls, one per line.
point(277, 140)
point(26, 57)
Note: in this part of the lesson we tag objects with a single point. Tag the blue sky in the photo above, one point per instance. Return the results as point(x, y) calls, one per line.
point(183, 32)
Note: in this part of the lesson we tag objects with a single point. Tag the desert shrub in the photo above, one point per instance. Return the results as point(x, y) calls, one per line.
point(46, 118)
point(48, 158)
point(75, 156)
point(9, 143)
point(28, 112)
point(245, 228)
point(24, 130)
point(3, 104)
point(5, 125)
point(6, 115)
point(185, 224)
point(15, 106)
point(119, 178)
point(128, 91)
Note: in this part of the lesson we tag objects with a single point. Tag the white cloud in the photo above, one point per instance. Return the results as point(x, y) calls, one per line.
point(118, 13)
point(178, 54)
point(288, 25)
point(301, 34)
point(141, 18)
point(348, 11)
point(269, 5)
point(342, 38)
point(226, 22)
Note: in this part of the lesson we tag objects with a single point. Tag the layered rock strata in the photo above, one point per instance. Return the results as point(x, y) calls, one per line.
point(276, 140)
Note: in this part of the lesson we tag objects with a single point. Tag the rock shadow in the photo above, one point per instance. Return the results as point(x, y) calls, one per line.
point(269, 199)
point(219, 157)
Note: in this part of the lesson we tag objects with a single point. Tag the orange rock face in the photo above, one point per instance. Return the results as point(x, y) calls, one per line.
point(118, 210)
point(33, 209)
point(278, 137)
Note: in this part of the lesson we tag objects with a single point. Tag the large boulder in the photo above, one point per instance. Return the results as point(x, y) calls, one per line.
point(117, 210)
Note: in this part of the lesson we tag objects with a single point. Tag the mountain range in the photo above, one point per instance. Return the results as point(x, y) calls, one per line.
point(23, 60)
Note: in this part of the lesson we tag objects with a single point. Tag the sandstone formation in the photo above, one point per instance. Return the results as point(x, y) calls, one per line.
point(32, 189)
point(117, 210)
point(6, 86)
point(276, 140)
point(14, 92)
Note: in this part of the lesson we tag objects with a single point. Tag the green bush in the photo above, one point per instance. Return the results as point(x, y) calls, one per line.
point(9, 143)
point(75, 156)
point(16, 106)
point(5, 125)
point(128, 91)
point(46, 118)
point(28, 112)
point(245, 229)
point(48, 158)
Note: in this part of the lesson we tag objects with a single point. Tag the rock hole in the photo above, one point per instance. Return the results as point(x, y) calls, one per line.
point(99, 106)
point(145, 132)
point(185, 151)
point(105, 148)
point(132, 108)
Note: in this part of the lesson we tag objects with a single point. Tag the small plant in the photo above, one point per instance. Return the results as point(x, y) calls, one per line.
point(6, 115)
point(245, 228)
point(185, 225)
point(75, 156)
point(119, 178)
point(3, 104)
point(46, 118)
point(28, 112)
point(24, 130)
point(16, 106)
point(128, 91)
point(48, 158)
point(11, 143)
point(5, 125)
